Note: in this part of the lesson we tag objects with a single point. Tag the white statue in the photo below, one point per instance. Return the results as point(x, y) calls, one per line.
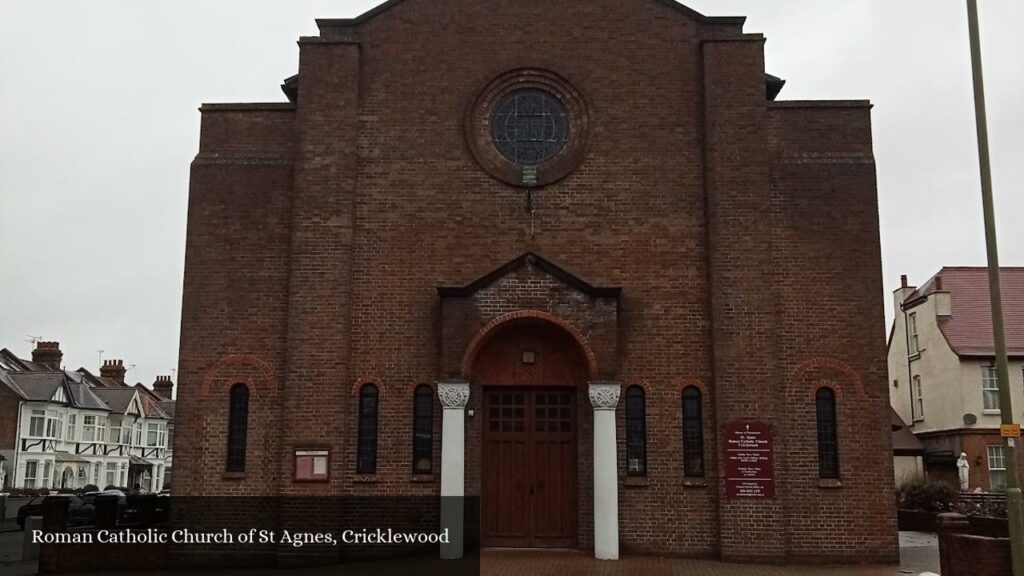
point(964, 470)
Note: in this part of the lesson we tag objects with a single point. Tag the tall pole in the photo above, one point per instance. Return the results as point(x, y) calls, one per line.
point(1013, 493)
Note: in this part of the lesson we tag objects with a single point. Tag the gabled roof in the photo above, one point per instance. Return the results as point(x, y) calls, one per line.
point(386, 6)
point(152, 404)
point(969, 329)
point(529, 258)
point(118, 399)
point(38, 386)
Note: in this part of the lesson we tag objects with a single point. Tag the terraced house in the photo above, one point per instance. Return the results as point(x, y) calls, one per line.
point(68, 429)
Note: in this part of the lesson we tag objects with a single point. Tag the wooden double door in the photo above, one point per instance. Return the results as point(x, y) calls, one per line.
point(529, 467)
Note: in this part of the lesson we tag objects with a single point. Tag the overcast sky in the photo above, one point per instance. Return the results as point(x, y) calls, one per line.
point(98, 124)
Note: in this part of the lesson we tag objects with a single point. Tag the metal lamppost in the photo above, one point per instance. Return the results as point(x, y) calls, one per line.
point(1013, 493)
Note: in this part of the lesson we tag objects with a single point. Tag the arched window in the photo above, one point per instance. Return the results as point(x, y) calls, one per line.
point(238, 427)
point(423, 430)
point(693, 433)
point(366, 447)
point(636, 432)
point(828, 443)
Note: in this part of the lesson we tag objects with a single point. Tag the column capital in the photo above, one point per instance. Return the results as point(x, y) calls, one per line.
point(604, 395)
point(453, 393)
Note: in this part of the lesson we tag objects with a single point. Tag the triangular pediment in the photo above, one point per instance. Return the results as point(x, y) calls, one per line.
point(529, 259)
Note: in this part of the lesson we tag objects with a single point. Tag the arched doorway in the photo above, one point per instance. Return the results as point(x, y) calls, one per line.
point(67, 478)
point(529, 374)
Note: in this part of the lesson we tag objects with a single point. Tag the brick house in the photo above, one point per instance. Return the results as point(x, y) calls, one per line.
point(573, 276)
point(942, 369)
point(64, 429)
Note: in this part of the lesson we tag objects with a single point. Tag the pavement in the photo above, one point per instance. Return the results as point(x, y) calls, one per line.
point(919, 554)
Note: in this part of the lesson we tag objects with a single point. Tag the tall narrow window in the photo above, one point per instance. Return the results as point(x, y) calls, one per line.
point(693, 433)
point(828, 444)
point(366, 443)
point(996, 468)
point(990, 388)
point(915, 344)
point(238, 427)
point(636, 432)
point(423, 430)
point(917, 393)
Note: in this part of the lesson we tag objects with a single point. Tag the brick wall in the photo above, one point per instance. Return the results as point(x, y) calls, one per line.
point(743, 236)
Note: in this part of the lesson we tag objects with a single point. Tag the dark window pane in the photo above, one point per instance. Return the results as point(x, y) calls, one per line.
point(828, 443)
point(366, 443)
point(693, 433)
point(423, 430)
point(238, 426)
point(636, 432)
point(529, 127)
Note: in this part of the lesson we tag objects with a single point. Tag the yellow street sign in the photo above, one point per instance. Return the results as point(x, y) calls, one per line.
point(1010, 430)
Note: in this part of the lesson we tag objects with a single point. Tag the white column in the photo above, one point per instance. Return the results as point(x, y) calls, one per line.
point(454, 395)
point(604, 396)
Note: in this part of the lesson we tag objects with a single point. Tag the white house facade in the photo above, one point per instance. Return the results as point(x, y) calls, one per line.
point(942, 369)
point(73, 429)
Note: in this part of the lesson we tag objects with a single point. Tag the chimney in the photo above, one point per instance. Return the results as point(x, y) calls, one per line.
point(163, 387)
point(900, 294)
point(943, 300)
point(48, 354)
point(113, 369)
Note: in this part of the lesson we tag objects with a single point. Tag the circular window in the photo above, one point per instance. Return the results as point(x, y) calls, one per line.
point(529, 127)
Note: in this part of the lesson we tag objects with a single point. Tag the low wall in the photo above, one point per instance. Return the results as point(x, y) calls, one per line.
point(964, 554)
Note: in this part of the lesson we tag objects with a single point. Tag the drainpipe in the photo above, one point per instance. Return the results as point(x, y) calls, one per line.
point(910, 369)
point(17, 446)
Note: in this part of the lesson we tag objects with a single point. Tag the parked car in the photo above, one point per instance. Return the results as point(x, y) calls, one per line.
point(80, 511)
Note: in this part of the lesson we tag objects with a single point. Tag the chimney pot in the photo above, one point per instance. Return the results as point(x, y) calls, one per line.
point(113, 369)
point(163, 387)
point(903, 281)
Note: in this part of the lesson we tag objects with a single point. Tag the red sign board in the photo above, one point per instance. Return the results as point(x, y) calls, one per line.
point(749, 460)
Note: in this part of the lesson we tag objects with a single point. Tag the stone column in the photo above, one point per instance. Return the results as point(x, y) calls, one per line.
point(604, 396)
point(454, 395)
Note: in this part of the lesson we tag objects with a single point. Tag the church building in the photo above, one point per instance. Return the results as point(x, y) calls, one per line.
point(574, 258)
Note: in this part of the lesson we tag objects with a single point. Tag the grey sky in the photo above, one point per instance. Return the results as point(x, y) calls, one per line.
point(98, 124)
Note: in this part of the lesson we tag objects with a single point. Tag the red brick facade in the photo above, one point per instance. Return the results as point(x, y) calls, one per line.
point(701, 234)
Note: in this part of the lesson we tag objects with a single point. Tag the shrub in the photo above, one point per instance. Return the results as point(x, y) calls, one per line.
point(90, 488)
point(930, 495)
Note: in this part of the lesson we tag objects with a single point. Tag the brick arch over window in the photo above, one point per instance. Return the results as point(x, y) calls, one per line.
point(825, 371)
point(235, 368)
point(492, 328)
point(360, 382)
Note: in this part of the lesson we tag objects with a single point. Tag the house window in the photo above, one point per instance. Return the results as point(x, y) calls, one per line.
point(72, 425)
point(51, 424)
point(693, 433)
point(47, 469)
point(111, 473)
point(636, 432)
point(88, 428)
point(366, 442)
point(115, 430)
point(37, 424)
point(31, 471)
point(126, 433)
point(828, 444)
point(162, 441)
point(423, 430)
point(152, 434)
point(915, 345)
point(918, 398)
point(96, 473)
point(990, 388)
point(996, 468)
point(238, 427)
point(101, 428)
